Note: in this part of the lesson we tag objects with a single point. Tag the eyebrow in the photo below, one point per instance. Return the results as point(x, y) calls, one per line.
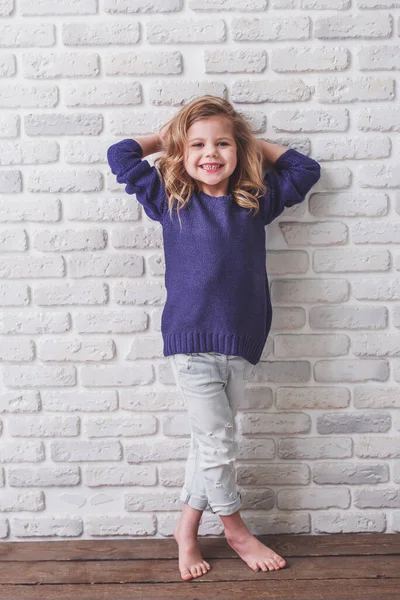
point(222, 137)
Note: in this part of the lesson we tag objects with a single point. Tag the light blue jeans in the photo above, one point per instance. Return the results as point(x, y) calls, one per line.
point(212, 385)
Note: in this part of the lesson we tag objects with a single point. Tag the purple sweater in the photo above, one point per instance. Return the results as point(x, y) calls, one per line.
point(215, 267)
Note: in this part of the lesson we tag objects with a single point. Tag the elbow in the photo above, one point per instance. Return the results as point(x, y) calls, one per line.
point(111, 159)
point(315, 171)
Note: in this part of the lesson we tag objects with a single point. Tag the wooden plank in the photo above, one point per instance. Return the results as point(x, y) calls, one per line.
point(212, 547)
point(382, 589)
point(159, 571)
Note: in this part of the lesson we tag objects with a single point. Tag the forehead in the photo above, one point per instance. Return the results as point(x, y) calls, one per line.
point(213, 126)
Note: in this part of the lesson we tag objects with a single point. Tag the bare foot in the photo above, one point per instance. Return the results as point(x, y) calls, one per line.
point(191, 563)
point(254, 553)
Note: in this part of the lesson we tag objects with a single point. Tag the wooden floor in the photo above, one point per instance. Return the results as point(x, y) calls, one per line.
point(323, 567)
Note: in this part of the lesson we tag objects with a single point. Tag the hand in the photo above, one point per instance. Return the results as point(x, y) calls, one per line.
point(163, 132)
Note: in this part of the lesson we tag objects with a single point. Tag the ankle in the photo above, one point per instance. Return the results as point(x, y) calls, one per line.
point(187, 531)
point(187, 537)
point(237, 534)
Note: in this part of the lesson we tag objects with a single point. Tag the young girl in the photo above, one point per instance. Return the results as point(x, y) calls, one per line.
point(208, 192)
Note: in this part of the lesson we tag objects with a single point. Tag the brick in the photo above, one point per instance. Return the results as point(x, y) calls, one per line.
point(117, 525)
point(186, 31)
point(354, 148)
point(214, 5)
point(309, 291)
point(350, 522)
point(351, 370)
point(120, 476)
point(302, 345)
point(313, 120)
point(57, 526)
point(289, 398)
point(38, 426)
point(376, 397)
point(354, 89)
point(235, 61)
point(321, 233)
point(337, 260)
point(350, 473)
point(82, 450)
point(372, 422)
point(348, 317)
point(24, 35)
point(44, 477)
point(312, 448)
point(100, 34)
point(259, 423)
point(143, 63)
point(139, 6)
point(271, 29)
point(12, 501)
point(307, 59)
point(134, 426)
point(360, 26)
point(65, 64)
point(58, 7)
point(313, 498)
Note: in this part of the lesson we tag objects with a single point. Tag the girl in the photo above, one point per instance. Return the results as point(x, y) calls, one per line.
point(208, 192)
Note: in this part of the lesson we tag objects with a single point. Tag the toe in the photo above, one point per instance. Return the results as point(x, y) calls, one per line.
point(270, 565)
point(279, 560)
point(208, 566)
point(193, 571)
point(185, 573)
point(263, 567)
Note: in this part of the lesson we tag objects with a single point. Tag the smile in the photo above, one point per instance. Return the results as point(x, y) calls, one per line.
point(210, 168)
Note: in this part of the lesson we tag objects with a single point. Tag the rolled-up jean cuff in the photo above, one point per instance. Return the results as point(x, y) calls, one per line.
point(224, 510)
point(193, 501)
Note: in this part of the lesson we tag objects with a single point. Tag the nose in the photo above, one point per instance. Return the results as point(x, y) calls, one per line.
point(211, 151)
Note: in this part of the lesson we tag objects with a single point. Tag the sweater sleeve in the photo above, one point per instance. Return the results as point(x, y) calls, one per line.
point(293, 176)
point(142, 179)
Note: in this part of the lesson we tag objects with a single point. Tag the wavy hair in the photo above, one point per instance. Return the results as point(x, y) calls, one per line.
point(246, 183)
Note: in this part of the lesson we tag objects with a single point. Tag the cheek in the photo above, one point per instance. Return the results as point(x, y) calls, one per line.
point(192, 162)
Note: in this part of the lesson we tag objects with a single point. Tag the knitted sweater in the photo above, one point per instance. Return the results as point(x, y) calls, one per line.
point(215, 266)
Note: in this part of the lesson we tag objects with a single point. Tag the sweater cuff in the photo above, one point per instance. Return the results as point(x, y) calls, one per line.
point(293, 158)
point(289, 157)
point(129, 142)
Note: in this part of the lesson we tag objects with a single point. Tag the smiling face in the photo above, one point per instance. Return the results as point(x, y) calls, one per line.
point(211, 154)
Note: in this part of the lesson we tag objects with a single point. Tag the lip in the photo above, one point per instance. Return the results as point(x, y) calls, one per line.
point(211, 165)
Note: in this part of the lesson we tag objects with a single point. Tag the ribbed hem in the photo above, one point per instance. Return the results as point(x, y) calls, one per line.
point(202, 341)
point(224, 510)
point(218, 509)
point(193, 501)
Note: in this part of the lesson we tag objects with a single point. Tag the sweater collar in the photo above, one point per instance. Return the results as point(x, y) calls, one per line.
point(207, 196)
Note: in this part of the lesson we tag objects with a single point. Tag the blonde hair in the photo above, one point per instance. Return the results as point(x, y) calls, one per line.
point(246, 182)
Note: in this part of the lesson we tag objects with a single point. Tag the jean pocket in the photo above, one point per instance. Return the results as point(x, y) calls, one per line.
point(193, 370)
point(248, 370)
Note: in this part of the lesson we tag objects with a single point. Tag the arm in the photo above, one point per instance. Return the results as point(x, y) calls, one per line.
point(271, 152)
point(150, 144)
point(293, 176)
point(141, 179)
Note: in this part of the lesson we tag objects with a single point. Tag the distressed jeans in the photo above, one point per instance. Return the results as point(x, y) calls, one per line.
point(212, 385)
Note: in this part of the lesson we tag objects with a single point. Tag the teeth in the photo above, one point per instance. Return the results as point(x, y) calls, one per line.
point(210, 168)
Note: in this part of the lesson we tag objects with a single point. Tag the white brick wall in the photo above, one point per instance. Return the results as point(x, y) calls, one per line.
point(93, 434)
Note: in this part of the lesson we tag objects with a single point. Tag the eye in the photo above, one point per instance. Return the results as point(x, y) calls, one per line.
point(198, 144)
